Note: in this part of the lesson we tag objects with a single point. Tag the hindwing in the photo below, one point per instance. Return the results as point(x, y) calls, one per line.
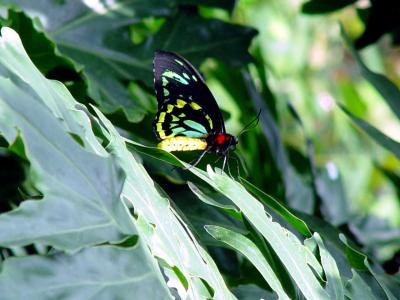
point(181, 117)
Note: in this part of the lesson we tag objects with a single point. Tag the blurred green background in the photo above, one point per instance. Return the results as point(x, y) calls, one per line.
point(308, 65)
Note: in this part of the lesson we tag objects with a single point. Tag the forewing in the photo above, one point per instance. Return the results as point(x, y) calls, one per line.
point(175, 78)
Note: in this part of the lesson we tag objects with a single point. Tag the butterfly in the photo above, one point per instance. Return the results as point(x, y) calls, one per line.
point(188, 116)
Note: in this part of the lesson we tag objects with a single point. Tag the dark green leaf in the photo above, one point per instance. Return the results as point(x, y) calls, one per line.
point(379, 137)
point(197, 38)
point(279, 208)
point(388, 90)
point(324, 6)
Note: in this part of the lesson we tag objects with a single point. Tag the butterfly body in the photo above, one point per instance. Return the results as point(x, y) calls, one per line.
point(188, 116)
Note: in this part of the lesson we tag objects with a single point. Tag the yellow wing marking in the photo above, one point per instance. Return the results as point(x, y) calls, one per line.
point(161, 118)
point(182, 143)
point(180, 103)
point(209, 121)
point(195, 106)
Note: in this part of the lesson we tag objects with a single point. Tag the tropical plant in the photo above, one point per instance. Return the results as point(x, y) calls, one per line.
point(91, 209)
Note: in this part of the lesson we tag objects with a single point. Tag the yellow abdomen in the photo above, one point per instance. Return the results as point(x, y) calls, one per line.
point(182, 143)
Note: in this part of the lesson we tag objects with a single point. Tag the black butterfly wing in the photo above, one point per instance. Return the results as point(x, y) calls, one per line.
point(176, 79)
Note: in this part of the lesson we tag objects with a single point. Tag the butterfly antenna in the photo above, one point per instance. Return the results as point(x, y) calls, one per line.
point(252, 124)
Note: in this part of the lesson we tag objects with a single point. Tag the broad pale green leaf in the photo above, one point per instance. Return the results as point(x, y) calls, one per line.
point(82, 185)
point(251, 252)
point(334, 286)
point(286, 246)
point(103, 272)
point(167, 235)
point(81, 204)
point(385, 141)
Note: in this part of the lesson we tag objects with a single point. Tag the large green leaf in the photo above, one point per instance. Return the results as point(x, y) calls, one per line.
point(286, 246)
point(81, 184)
point(104, 272)
point(81, 204)
point(167, 235)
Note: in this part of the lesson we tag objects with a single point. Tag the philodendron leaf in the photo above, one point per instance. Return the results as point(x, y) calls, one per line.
point(166, 234)
point(246, 247)
point(81, 188)
point(103, 272)
point(286, 246)
point(81, 204)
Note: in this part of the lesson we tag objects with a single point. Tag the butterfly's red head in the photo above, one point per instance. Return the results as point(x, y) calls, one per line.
point(224, 142)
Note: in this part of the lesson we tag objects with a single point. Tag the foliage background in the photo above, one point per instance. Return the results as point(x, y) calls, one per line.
point(90, 210)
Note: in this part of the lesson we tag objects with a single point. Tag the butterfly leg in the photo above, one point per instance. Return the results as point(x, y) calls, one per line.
point(229, 169)
point(196, 162)
point(224, 163)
